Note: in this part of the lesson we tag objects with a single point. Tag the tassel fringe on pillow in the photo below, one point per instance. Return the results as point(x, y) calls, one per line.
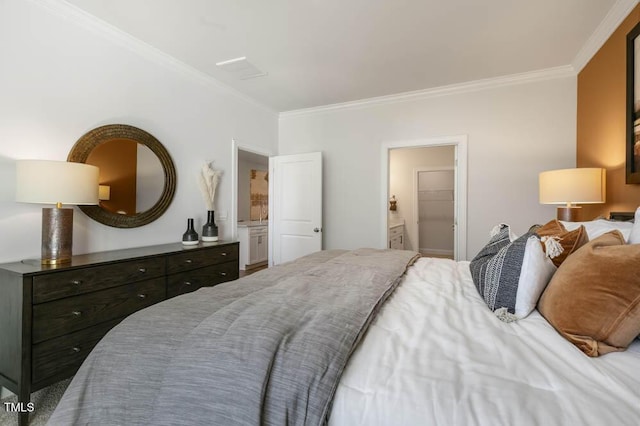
point(504, 315)
point(552, 247)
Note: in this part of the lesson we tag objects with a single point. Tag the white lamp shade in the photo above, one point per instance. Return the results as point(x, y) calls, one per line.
point(573, 186)
point(52, 182)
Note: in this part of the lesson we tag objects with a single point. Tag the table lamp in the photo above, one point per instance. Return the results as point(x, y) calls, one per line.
point(58, 183)
point(569, 187)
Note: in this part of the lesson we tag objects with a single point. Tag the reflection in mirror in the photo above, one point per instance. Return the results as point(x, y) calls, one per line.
point(137, 175)
point(636, 106)
point(633, 105)
point(259, 187)
point(130, 172)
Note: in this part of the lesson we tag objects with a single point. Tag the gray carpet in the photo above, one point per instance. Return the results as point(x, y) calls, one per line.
point(44, 401)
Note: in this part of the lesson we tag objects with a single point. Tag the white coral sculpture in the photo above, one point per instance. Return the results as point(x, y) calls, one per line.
point(208, 182)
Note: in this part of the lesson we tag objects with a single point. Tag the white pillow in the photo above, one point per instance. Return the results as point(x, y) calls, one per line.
point(537, 270)
point(595, 228)
point(511, 275)
point(634, 237)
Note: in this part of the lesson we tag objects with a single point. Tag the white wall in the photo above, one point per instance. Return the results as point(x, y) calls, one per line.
point(402, 163)
point(514, 132)
point(61, 76)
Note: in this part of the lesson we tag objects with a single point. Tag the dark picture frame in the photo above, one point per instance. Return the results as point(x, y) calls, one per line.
point(633, 106)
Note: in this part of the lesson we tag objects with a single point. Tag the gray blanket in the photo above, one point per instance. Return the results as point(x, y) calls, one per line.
point(267, 349)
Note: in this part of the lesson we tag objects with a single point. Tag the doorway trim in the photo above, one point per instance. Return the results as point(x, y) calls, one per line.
point(416, 199)
point(460, 196)
point(235, 146)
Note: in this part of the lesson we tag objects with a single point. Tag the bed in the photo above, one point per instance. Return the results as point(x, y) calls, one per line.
point(427, 351)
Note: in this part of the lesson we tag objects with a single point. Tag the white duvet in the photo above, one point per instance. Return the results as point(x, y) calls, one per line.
point(436, 355)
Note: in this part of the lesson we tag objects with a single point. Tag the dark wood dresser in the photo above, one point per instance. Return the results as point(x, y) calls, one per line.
point(52, 316)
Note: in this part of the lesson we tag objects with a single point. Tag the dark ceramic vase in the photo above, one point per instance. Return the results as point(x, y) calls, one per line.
point(210, 230)
point(190, 237)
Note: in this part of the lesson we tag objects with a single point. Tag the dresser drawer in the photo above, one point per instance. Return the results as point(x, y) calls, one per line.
point(396, 231)
point(78, 281)
point(186, 282)
point(200, 258)
point(64, 355)
point(64, 316)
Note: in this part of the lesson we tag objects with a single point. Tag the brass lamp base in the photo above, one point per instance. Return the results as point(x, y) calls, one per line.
point(569, 214)
point(57, 235)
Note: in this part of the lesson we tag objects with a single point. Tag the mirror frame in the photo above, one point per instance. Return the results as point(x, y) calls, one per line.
point(83, 147)
point(632, 175)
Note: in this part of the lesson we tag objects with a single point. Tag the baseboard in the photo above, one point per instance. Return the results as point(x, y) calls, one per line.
point(256, 265)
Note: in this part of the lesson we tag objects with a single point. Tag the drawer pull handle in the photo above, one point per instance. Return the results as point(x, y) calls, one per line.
point(75, 349)
point(142, 270)
point(142, 296)
point(224, 274)
point(187, 283)
point(76, 313)
point(76, 282)
point(188, 261)
point(224, 253)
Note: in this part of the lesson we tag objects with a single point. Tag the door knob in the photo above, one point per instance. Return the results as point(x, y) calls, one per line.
point(316, 229)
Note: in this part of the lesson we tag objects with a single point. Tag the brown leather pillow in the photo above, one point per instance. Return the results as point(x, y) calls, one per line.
point(569, 240)
point(593, 299)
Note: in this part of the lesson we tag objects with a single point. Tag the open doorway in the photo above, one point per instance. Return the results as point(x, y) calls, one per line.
point(250, 212)
point(425, 196)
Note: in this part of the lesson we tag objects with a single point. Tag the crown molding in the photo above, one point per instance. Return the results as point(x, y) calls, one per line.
point(466, 87)
point(123, 39)
point(620, 10)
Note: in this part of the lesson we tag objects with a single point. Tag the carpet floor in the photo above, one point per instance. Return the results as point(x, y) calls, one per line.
point(44, 402)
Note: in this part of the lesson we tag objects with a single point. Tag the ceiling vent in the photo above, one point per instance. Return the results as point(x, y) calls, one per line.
point(241, 68)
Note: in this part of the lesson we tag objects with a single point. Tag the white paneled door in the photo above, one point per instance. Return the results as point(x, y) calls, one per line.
point(295, 219)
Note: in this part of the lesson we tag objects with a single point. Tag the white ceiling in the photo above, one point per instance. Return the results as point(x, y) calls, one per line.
point(321, 52)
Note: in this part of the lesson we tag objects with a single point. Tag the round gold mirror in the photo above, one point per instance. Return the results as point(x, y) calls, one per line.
point(137, 175)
